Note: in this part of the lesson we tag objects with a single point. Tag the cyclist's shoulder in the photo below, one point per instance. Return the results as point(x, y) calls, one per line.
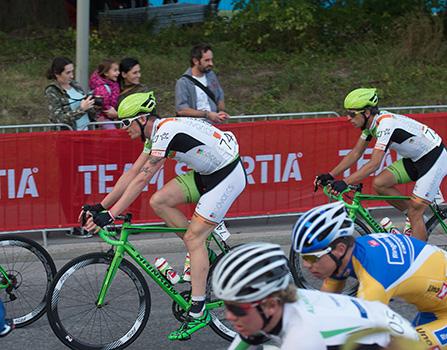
point(384, 119)
point(376, 242)
point(384, 255)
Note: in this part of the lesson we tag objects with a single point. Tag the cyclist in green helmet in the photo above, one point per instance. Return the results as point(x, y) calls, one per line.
point(215, 181)
point(423, 157)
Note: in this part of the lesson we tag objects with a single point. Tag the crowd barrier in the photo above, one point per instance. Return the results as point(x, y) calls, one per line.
point(45, 177)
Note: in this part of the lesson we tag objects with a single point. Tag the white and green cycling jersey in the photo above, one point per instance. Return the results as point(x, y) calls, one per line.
point(320, 320)
point(408, 137)
point(423, 155)
point(200, 145)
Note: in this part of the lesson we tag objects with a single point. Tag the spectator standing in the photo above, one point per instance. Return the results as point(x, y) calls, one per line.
point(198, 92)
point(129, 78)
point(67, 101)
point(104, 84)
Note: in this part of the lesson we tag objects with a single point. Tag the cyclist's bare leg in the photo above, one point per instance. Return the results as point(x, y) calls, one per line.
point(194, 238)
point(384, 184)
point(415, 213)
point(164, 202)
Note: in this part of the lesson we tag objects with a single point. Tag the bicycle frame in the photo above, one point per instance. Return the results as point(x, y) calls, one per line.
point(4, 276)
point(123, 246)
point(355, 208)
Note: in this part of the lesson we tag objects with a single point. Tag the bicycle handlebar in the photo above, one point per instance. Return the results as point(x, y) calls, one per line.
point(339, 197)
point(103, 233)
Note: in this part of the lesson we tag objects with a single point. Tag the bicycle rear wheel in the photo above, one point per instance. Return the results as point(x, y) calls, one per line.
point(435, 232)
point(218, 324)
point(304, 279)
point(30, 269)
point(72, 298)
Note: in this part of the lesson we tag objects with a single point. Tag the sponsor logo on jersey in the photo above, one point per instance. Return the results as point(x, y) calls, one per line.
point(373, 243)
point(394, 249)
point(423, 335)
point(433, 289)
point(441, 335)
point(443, 292)
point(385, 132)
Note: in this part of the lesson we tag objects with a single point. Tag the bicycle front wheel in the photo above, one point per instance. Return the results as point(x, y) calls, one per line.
point(218, 323)
point(72, 304)
point(30, 269)
point(304, 279)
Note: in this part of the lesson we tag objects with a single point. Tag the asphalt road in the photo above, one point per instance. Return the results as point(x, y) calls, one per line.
point(39, 336)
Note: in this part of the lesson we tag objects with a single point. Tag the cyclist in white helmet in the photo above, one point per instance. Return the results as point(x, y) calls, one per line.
point(386, 265)
point(262, 304)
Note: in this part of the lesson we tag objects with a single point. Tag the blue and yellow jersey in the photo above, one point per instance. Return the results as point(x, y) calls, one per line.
point(394, 265)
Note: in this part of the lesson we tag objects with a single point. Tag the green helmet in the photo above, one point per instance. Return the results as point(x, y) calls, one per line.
point(361, 98)
point(134, 104)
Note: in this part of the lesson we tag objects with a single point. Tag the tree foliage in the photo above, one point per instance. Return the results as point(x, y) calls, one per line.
point(262, 24)
point(25, 13)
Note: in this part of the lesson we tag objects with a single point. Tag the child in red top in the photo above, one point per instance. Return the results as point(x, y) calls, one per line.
point(103, 82)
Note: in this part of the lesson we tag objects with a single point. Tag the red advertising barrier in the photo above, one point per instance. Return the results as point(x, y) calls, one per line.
point(45, 177)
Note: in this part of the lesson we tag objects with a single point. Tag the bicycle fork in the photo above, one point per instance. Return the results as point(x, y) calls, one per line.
point(110, 274)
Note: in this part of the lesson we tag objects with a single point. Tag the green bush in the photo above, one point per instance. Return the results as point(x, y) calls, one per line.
point(263, 24)
point(360, 20)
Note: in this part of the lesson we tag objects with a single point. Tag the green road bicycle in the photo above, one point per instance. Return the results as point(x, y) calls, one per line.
point(26, 272)
point(102, 301)
point(365, 224)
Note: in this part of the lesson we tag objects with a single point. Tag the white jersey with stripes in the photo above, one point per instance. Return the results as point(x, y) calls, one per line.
point(200, 145)
point(318, 320)
point(409, 138)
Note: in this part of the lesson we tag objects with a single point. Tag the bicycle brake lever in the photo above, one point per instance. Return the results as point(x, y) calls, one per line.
point(83, 217)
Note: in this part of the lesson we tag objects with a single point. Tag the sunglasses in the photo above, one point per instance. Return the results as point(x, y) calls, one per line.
point(126, 122)
point(312, 258)
point(240, 310)
point(352, 114)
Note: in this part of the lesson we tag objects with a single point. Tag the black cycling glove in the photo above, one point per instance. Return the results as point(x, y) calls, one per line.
point(339, 186)
point(324, 178)
point(103, 218)
point(93, 207)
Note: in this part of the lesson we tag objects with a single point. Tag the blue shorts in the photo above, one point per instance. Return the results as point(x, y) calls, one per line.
point(2, 316)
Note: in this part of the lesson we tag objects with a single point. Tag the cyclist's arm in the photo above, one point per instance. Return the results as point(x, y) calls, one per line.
point(152, 165)
point(124, 181)
point(371, 289)
point(331, 285)
point(192, 113)
point(368, 168)
point(350, 158)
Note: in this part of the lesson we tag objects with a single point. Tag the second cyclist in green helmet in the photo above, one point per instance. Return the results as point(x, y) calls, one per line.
point(423, 157)
point(213, 156)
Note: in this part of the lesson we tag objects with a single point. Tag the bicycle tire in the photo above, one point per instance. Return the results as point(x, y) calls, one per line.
point(31, 270)
point(71, 330)
point(218, 323)
point(304, 279)
point(434, 228)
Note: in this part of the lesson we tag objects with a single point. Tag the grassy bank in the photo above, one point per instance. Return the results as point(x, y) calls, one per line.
point(406, 69)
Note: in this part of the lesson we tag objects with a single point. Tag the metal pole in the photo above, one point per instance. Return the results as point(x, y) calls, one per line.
point(82, 38)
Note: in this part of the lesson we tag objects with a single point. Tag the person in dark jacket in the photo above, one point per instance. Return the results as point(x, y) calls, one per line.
point(67, 101)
